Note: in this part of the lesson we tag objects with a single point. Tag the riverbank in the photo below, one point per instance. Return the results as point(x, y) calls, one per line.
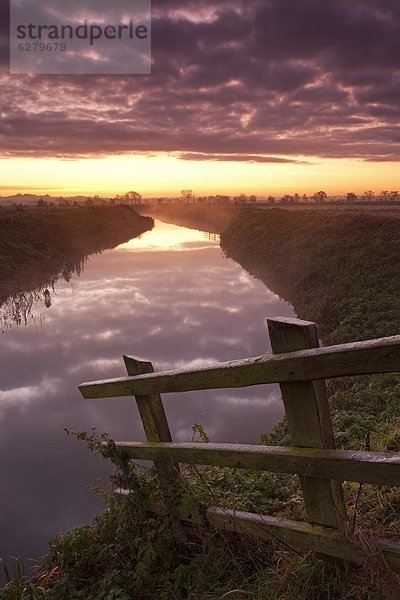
point(36, 245)
point(339, 270)
point(342, 272)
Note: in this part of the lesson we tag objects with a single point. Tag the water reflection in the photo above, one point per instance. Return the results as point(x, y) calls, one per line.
point(26, 307)
point(170, 297)
point(166, 236)
point(17, 309)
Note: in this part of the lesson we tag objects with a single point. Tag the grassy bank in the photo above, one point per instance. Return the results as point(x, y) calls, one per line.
point(36, 245)
point(342, 272)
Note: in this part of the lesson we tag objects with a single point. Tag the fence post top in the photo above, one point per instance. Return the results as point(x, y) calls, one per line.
point(289, 321)
point(136, 366)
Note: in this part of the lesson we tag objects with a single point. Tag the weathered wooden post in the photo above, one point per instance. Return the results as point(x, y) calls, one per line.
point(156, 428)
point(300, 367)
point(309, 421)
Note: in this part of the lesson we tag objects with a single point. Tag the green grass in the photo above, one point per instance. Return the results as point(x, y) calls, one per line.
point(341, 271)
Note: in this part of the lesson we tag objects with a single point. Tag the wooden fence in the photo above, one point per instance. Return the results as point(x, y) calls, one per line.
point(300, 366)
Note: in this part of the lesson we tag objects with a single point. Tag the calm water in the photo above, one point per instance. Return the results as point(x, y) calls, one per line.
point(170, 297)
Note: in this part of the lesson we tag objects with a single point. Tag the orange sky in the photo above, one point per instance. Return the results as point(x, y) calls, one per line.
point(166, 175)
point(279, 83)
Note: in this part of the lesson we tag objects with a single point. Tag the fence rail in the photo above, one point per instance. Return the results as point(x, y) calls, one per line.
point(300, 366)
point(359, 358)
point(343, 465)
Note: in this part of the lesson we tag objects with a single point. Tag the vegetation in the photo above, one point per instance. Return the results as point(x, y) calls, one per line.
point(343, 272)
point(37, 245)
point(340, 270)
point(128, 554)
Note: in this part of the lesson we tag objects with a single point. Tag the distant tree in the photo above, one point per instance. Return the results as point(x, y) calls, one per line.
point(187, 195)
point(385, 196)
point(296, 198)
point(134, 196)
point(304, 197)
point(287, 199)
point(241, 199)
point(351, 197)
point(89, 202)
point(252, 199)
point(320, 197)
point(369, 196)
point(41, 203)
point(271, 200)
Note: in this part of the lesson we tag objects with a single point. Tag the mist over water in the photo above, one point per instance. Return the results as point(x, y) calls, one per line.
point(170, 297)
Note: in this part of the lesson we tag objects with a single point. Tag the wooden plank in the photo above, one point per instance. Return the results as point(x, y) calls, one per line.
point(390, 551)
point(150, 407)
point(359, 358)
point(363, 467)
point(305, 536)
point(295, 534)
point(309, 422)
point(155, 425)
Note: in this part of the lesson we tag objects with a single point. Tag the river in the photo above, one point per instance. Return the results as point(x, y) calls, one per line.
point(171, 297)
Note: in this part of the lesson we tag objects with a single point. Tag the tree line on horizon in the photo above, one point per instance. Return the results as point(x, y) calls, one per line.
point(319, 198)
point(188, 197)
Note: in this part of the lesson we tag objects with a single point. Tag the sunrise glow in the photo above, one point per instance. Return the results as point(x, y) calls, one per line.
point(255, 98)
point(163, 175)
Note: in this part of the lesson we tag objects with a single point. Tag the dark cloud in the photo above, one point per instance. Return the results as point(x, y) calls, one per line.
point(252, 158)
point(4, 30)
point(271, 77)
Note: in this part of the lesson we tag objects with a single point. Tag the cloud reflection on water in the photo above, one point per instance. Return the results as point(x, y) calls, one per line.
point(186, 308)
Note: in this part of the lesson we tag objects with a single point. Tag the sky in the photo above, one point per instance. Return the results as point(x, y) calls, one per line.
point(252, 96)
